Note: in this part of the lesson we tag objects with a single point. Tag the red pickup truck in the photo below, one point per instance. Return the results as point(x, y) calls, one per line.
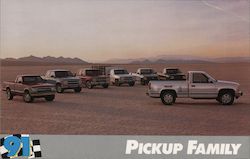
point(30, 87)
point(91, 77)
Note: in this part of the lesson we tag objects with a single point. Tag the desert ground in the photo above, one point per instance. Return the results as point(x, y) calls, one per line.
point(128, 110)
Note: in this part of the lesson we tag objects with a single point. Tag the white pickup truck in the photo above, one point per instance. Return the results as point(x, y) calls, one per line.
point(119, 76)
point(198, 85)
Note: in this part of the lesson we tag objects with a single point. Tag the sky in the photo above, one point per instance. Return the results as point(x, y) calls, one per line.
point(100, 30)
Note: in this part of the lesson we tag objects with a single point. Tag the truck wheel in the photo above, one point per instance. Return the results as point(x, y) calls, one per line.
point(143, 82)
point(168, 98)
point(89, 85)
point(117, 82)
point(131, 84)
point(27, 97)
point(9, 94)
point(105, 85)
point(77, 90)
point(226, 98)
point(59, 88)
point(50, 98)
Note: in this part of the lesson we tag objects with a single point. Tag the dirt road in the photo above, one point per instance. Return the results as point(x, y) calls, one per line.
point(128, 111)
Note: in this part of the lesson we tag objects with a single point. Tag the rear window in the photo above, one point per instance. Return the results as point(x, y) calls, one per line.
point(32, 79)
point(93, 72)
point(120, 72)
point(60, 74)
point(173, 71)
point(147, 71)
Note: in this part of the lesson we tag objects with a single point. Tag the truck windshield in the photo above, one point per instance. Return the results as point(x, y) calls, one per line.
point(60, 74)
point(173, 71)
point(93, 72)
point(32, 79)
point(120, 72)
point(147, 71)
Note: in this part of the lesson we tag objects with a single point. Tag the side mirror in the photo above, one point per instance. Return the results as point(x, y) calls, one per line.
point(210, 81)
point(19, 81)
point(52, 76)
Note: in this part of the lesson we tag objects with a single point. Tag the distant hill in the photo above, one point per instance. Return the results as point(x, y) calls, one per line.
point(48, 60)
point(179, 59)
point(162, 61)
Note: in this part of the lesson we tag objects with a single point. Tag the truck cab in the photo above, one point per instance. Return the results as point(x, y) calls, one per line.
point(63, 79)
point(119, 76)
point(91, 77)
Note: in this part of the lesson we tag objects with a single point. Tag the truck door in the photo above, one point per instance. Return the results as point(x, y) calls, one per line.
point(18, 86)
point(200, 86)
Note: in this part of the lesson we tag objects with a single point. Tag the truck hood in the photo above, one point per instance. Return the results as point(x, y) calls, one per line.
point(68, 78)
point(39, 85)
point(124, 75)
point(150, 75)
point(227, 82)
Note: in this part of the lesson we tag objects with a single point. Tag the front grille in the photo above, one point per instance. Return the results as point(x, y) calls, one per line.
point(73, 82)
point(43, 90)
point(128, 78)
point(152, 78)
point(101, 79)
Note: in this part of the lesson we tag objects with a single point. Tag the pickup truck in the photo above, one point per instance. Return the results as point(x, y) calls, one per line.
point(198, 85)
point(93, 77)
point(30, 87)
point(144, 75)
point(171, 74)
point(63, 79)
point(119, 76)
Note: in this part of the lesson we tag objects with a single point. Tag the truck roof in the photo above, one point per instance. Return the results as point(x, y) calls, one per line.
point(146, 68)
point(28, 75)
point(88, 68)
point(196, 72)
point(58, 70)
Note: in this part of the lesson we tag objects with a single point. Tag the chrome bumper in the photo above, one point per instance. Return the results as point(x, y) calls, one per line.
point(238, 94)
point(153, 94)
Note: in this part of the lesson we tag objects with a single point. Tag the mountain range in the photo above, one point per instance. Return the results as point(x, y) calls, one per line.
point(30, 60)
point(160, 59)
point(172, 59)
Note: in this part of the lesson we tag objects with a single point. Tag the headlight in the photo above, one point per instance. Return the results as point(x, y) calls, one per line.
point(33, 90)
point(65, 82)
point(53, 89)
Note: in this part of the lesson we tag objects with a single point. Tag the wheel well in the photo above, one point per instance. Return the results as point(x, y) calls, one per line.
point(226, 90)
point(58, 83)
point(169, 90)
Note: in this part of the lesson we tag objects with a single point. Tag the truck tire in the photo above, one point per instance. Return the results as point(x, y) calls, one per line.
point(77, 90)
point(226, 98)
point(168, 98)
point(27, 97)
point(89, 85)
point(105, 85)
point(59, 88)
point(50, 98)
point(9, 94)
point(117, 82)
point(143, 82)
point(131, 84)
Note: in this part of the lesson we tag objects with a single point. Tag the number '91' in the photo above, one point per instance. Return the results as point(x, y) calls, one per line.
point(14, 144)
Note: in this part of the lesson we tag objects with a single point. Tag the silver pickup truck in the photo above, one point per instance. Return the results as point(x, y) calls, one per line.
point(198, 85)
point(63, 79)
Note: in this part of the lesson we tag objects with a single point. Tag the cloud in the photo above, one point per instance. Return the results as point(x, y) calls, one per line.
point(225, 11)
